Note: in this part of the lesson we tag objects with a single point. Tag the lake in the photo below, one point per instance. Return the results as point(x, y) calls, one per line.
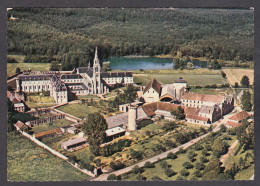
point(146, 63)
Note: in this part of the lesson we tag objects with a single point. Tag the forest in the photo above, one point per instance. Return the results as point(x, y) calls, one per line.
point(70, 35)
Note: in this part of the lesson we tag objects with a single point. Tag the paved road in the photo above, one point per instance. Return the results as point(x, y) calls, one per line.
point(103, 177)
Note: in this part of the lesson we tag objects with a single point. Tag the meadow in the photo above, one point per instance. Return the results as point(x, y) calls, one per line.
point(78, 110)
point(29, 162)
point(235, 75)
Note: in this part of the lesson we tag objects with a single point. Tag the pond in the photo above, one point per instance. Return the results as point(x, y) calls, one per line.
point(147, 63)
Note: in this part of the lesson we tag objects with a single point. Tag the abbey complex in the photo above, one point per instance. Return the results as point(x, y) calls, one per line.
point(81, 81)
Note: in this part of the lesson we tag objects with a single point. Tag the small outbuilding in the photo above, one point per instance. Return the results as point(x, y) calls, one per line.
point(72, 143)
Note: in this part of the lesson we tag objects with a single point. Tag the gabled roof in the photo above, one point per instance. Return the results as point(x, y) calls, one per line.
point(203, 97)
point(240, 116)
point(233, 124)
point(73, 142)
point(153, 84)
point(196, 117)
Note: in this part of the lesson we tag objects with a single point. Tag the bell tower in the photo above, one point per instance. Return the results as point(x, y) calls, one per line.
point(96, 74)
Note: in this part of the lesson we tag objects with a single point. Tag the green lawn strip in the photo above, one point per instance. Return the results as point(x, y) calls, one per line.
point(29, 162)
point(192, 79)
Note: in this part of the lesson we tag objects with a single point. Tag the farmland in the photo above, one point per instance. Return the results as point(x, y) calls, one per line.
point(235, 75)
point(28, 162)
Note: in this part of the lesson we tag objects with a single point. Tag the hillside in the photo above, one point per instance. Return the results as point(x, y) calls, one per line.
point(69, 35)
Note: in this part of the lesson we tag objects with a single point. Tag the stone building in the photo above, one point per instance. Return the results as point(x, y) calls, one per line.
point(155, 91)
point(87, 80)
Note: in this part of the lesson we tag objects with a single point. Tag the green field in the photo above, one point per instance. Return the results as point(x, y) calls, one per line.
point(55, 124)
point(192, 79)
point(78, 110)
point(11, 67)
point(28, 162)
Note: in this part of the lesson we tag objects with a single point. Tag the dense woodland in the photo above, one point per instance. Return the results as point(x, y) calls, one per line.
point(70, 35)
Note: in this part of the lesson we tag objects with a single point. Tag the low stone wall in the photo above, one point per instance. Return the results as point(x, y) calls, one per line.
point(54, 152)
point(68, 115)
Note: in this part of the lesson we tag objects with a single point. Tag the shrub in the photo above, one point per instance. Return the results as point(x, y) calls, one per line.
point(205, 152)
point(236, 84)
point(171, 155)
point(137, 169)
point(182, 151)
point(112, 177)
point(136, 154)
point(187, 165)
point(208, 148)
point(169, 143)
point(163, 164)
point(179, 178)
point(110, 149)
point(203, 159)
point(156, 178)
point(198, 147)
point(72, 159)
point(199, 166)
point(140, 177)
point(184, 172)
point(116, 165)
point(169, 172)
point(197, 173)
point(148, 165)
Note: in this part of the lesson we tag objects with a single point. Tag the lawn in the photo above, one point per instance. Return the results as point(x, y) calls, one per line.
point(39, 101)
point(78, 110)
point(55, 124)
point(11, 67)
point(235, 75)
point(29, 162)
point(192, 79)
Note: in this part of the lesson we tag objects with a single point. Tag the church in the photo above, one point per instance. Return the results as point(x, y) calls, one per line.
point(82, 81)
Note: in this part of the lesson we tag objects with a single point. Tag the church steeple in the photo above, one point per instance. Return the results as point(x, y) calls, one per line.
point(96, 60)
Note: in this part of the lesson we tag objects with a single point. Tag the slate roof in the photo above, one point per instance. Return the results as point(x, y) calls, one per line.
point(116, 74)
point(153, 84)
point(203, 97)
point(71, 76)
point(83, 69)
point(35, 77)
point(119, 119)
point(73, 142)
point(240, 116)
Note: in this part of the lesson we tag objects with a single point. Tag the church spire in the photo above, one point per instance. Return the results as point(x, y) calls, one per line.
point(96, 60)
